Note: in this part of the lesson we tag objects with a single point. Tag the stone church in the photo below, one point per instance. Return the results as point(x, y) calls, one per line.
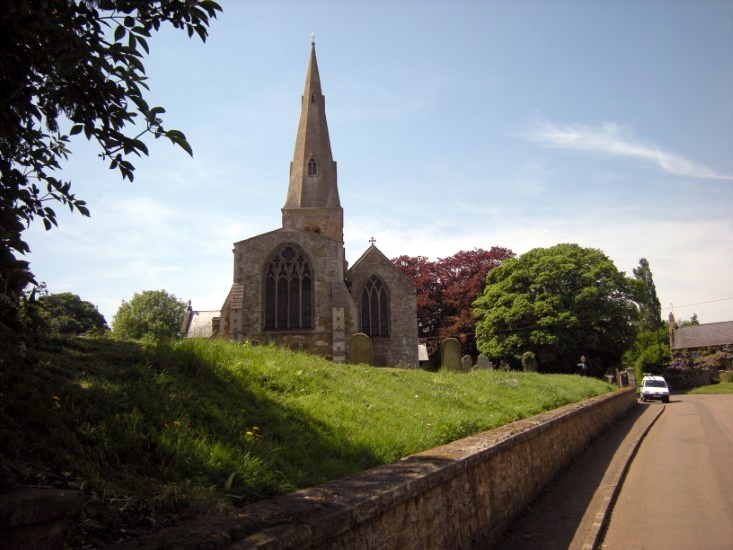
point(293, 287)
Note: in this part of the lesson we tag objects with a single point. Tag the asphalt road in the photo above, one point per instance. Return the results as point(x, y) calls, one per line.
point(571, 512)
point(678, 492)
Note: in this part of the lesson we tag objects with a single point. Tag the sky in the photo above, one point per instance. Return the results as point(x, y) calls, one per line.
point(455, 125)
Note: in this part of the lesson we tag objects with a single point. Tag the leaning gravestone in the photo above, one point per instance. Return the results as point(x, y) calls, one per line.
point(466, 363)
point(360, 349)
point(450, 354)
point(483, 362)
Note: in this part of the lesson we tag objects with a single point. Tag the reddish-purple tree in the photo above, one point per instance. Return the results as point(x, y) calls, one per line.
point(463, 277)
point(446, 290)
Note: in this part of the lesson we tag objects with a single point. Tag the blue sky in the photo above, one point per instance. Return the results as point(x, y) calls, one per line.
point(455, 125)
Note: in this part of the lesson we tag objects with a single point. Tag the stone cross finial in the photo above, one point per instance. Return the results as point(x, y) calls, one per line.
point(372, 240)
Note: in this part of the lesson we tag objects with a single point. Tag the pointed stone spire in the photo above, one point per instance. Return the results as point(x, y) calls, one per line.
point(313, 201)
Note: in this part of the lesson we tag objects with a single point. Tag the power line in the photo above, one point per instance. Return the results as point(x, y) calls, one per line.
point(698, 303)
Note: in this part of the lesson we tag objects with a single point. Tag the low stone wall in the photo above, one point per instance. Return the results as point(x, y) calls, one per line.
point(461, 495)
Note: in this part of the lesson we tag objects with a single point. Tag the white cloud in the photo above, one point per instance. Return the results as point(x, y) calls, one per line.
point(609, 139)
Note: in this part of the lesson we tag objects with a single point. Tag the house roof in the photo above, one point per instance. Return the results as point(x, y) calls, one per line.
point(701, 336)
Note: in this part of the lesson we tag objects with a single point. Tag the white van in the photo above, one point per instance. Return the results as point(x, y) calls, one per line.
point(654, 387)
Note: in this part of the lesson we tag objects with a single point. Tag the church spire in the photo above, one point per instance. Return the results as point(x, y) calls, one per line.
point(312, 203)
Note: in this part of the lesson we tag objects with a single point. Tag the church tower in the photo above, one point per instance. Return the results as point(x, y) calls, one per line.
point(312, 202)
point(292, 286)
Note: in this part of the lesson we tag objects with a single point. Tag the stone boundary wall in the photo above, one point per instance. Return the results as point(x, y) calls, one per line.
point(461, 495)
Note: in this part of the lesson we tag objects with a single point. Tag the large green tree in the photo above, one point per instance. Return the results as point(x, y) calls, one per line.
point(150, 314)
point(67, 313)
point(560, 303)
point(72, 67)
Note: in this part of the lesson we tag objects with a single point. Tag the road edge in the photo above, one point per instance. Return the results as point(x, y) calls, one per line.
point(612, 485)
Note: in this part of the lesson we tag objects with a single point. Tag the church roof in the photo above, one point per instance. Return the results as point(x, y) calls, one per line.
point(313, 171)
point(284, 231)
point(373, 251)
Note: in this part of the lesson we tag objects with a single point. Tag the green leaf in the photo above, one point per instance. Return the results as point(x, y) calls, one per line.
point(177, 137)
point(120, 32)
point(144, 44)
point(140, 146)
point(76, 129)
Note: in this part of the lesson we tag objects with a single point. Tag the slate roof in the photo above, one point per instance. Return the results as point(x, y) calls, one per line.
point(199, 325)
point(702, 336)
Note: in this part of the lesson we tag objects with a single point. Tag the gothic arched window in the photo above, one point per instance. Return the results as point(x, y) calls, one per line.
point(312, 167)
point(288, 291)
point(375, 308)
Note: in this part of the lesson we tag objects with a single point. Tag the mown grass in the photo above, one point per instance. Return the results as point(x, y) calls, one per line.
point(722, 387)
point(150, 430)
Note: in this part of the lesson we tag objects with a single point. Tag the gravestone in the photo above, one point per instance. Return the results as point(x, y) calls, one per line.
point(466, 363)
point(450, 354)
point(360, 349)
point(483, 362)
point(529, 362)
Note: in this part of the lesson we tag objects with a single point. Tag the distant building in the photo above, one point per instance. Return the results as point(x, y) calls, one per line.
point(199, 324)
point(292, 286)
point(694, 339)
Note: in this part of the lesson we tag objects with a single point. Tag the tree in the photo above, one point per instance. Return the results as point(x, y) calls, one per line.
point(423, 273)
point(71, 67)
point(650, 310)
point(693, 321)
point(152, 314)
point(649, 352)
point(561, 303)
point(66, 313)
point(446, 289)
point(463, 278)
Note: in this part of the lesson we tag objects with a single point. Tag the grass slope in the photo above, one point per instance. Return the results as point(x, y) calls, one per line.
point(150, 430)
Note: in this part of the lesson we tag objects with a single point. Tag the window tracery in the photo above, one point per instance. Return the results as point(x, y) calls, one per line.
point(288, 291)
point(375, 308)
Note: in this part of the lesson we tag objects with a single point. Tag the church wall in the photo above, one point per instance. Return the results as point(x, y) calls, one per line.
point(326, 258)
point(400, 348)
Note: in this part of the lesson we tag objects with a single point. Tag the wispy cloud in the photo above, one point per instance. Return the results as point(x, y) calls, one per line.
point(609, 139)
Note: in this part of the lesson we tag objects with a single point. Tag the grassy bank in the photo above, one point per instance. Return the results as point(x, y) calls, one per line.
point(722, 387)
point(148, 431)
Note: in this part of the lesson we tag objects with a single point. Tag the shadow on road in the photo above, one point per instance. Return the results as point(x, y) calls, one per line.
point(551, 521)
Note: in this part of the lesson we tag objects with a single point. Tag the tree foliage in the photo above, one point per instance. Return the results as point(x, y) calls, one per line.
point(650, 310)
point(561, 303)
point(71, 67)
point(446, 289)
point(649, 352)
point(150, 314)
point(67, 313)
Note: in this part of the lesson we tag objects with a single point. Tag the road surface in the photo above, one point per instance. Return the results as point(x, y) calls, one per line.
point(678, 493)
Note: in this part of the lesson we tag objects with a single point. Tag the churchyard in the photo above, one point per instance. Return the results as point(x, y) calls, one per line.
point(152, 432)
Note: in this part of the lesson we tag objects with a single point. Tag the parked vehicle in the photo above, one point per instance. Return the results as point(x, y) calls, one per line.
point(654, 387)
